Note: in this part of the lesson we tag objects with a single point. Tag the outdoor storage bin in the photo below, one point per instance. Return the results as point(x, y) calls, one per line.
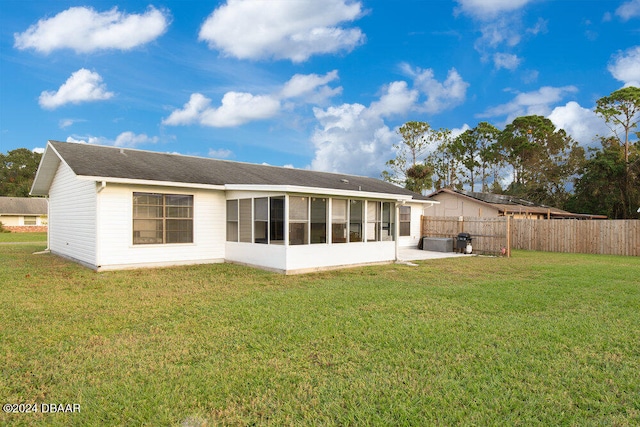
point(462, 240)
point(437, 244)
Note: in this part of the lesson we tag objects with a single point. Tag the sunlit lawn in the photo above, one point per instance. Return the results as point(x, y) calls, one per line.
point(23, 237)
point(538, 339)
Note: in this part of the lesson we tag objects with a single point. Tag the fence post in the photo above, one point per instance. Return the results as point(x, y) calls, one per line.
point(508, 236)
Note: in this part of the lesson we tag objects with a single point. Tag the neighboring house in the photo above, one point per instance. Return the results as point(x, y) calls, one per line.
point(23, 213)
point(113, 208)
point(486, 205)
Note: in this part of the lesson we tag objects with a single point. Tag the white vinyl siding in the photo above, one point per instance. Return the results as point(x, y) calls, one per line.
point(117, 249)
point(72, 216)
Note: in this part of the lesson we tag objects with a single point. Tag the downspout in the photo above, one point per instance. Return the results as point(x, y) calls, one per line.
point(48, 225)
point(396, 231)
point(103, 185)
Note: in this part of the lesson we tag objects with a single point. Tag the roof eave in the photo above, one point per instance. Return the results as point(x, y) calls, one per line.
point(132, 181)
point(47, 168)
point(326, 191)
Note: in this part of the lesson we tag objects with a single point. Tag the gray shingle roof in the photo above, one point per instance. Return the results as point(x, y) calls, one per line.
point(113, 162)
point(23, 206)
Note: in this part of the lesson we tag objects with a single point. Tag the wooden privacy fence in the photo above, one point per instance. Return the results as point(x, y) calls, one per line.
point(490, 235)
point(606, 237)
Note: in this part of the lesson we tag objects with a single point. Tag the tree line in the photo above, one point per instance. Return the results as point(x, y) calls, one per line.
point(17, 171)
point(531, 159)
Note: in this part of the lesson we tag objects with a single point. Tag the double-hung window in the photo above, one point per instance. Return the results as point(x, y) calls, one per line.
point(405, 220)
point(162, 218)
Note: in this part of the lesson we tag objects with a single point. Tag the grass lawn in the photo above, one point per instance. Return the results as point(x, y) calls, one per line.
point(538, 339)
point(22, 237)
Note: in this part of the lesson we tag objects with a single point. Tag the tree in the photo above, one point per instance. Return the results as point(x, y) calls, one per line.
point(17, 172)
point(447, 165)
point(621, 108)
point(475, 148)
point(601, 187)
point(408, 168)
point(544, 159)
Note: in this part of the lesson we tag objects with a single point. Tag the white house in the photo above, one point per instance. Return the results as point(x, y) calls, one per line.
point(23, 213)
point(114, 208)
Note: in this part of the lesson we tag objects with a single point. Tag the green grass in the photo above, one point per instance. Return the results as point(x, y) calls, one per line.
point(22, 237)
point(538, 339)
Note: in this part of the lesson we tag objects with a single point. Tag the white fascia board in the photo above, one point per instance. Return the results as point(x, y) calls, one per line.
point(425, 202)
point(319, 191)
point(46, 170)
point(151, 182)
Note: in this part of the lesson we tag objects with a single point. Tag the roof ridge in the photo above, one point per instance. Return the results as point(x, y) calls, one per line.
point(210, 159)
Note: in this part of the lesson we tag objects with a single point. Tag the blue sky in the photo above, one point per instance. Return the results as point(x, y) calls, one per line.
point(310, 84)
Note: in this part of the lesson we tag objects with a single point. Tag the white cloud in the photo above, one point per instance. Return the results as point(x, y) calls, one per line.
point(530, 76)
point(487, 9)
point(500, 24)
point(504, 30)
point(130, 139)
point(82, 86)
point(351, 139)
point(282, 29)
point(456, 132)
point(65, 123)
point(311, 86)
point(628, 10)
point(506, 60)
point(220, 153)
point(87, 140)
point(625, 66)
point(125, 139)
point(85, 30)
point(579, 122)
point(191, 111)
point(530, 103)
point(238, 108)
point(397, 99)
point(440, 95)
point(355, 139)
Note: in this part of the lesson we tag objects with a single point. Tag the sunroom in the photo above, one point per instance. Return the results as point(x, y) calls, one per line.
point(299, 232)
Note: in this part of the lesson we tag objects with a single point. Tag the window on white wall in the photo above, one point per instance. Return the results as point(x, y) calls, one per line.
point(405, 220)
point(232, 220)
point(298, 220)
point(30, 220)
point(162, 218)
